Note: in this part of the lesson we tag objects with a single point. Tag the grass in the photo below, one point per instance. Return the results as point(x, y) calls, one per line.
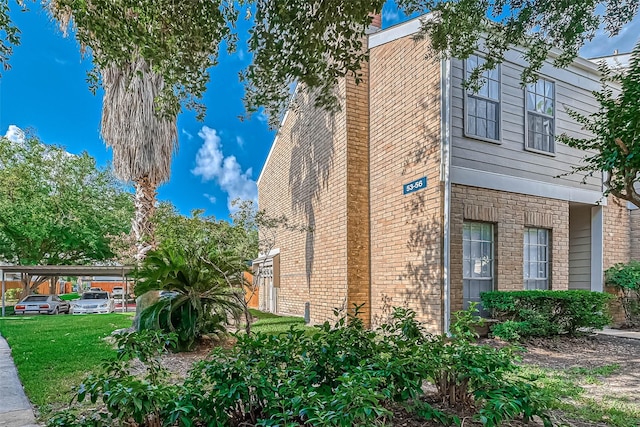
point(270, 323)
point(566, 391)
point(53, 353)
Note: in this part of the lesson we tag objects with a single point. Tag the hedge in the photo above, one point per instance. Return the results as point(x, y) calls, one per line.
point(546, 313)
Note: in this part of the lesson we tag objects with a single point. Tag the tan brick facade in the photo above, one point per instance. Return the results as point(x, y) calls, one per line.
point(616, 231)
point(343, 175)
point(406, 232)
point(634, 241)
point(316, 179)
point(511, 213)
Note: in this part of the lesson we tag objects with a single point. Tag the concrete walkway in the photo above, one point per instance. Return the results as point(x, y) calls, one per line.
point(15, 408)
point(620, 333)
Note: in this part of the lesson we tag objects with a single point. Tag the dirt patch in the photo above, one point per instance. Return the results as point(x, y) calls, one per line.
point(594, 352)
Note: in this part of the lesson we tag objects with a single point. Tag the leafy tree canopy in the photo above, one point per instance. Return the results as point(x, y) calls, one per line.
point(57, 208)
point(615, 145)
point(313, 42)
point(199, 231)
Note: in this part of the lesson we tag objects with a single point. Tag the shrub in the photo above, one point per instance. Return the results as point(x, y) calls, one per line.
point(12, 294)
point(341, 375)
point(204, 299)
point(143, 400)
point(546, 313)
point(346, 375)
point(625, 278)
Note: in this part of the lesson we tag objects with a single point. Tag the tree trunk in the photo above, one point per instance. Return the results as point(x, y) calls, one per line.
point(145, 200)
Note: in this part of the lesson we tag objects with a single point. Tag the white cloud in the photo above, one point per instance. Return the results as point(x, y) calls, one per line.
point(390, 16)
point(603, 45)
point(209, 197)
point(240, 141)
point(15, 134)
point(212, 165)
point(187, 134)
point(241, 54)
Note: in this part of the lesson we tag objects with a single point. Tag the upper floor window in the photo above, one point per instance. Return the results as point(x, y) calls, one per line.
point(541, 116)
point(482, 117)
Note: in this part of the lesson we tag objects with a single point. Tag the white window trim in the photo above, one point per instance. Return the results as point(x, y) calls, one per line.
point(547, 262)
point(493, 277)
point(465, 104)
point(554, 117)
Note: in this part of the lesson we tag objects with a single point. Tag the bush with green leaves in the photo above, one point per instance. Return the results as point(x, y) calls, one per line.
point(129, 399)
point(345, 375)
point(339, 375)
point(625, 278)
point(206, 296)
point(546, 313)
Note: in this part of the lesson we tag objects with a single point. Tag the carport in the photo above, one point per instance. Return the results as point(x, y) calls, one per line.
point(63, 270)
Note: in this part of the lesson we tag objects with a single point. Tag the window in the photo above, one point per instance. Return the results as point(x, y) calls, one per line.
point(536, 258)
point(482, 118)
point(477, 261)
point(541, 116)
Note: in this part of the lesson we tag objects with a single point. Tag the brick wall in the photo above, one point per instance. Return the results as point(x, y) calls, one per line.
point(405, 145)
point(317, 179)
point(511, 213)
point(616, 232)
point(634, 238)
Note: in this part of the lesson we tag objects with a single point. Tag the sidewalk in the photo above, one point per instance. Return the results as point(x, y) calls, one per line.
point(620, 333)
point(15, 408)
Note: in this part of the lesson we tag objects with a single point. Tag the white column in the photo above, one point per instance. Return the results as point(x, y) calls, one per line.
point(597, 243)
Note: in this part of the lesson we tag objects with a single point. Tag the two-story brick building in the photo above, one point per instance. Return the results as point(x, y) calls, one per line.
point(424, 194)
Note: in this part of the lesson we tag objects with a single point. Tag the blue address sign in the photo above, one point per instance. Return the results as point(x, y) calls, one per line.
point(416, 185)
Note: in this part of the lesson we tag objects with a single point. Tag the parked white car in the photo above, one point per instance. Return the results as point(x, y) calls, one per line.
point(93, 302)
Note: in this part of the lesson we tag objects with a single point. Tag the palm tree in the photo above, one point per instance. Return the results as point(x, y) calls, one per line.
point(143, 141)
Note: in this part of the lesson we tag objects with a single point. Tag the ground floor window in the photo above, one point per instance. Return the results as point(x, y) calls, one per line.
point(536, 258)
point(477, 261)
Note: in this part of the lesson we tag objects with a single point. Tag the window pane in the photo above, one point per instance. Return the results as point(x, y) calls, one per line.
point(540, 86)
point(493, 89)
point(492, 130)
point(481, 109)
point(481, 128)
point(471, 106)
point(548, 89)
point(484, 89)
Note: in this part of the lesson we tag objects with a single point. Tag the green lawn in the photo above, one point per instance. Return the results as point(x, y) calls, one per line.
point(53, 353)
point(273, 324)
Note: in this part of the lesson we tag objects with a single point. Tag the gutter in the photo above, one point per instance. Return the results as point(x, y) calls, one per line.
point(445, 166)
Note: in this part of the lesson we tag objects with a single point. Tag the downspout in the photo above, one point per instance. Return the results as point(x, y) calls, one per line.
point(445, 162)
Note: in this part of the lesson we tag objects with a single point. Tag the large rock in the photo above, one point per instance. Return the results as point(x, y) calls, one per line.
point(142, 302)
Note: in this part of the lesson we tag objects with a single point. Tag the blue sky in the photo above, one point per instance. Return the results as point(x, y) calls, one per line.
point(219, 159)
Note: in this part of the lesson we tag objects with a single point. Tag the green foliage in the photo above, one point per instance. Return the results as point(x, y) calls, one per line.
point(345, 375)
point(127, 397)
point(313, 42)
point(615, 146)
point(546, 313)
point(181, 39)
point(12, 294)
point(45, 217)
point(200, 232)
point(625, 278)
point(479, 376)
point(204, 283)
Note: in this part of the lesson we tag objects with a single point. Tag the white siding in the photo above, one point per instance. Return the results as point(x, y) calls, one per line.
point(573, 88)
point(580, 247)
